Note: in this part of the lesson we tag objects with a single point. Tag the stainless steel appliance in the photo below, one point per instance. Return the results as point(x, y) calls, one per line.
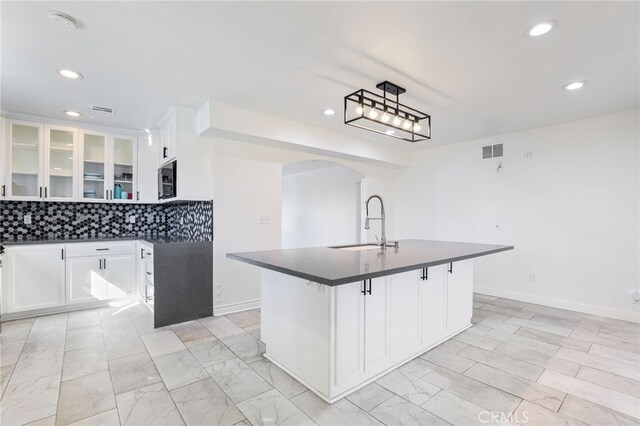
point(167, 184)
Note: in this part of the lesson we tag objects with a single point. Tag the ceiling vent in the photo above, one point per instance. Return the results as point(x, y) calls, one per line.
point(492, 151)
point(102, 109)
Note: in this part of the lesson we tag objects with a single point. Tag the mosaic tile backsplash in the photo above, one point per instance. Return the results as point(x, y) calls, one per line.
point(193, 220)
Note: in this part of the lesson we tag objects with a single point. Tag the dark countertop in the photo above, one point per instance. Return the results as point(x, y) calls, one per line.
point(151, 239)
point(332, 266)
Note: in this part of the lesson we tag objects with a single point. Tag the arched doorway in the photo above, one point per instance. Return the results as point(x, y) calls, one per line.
point(321, 204)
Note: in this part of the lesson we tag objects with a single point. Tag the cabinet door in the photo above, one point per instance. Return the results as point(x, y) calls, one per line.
point(85, 282)
point(123, 169)
point(459, 294)
point(148, 147)
point(60, 172)
point(434, 305)
point(93, 166)
point(405, 303)
point(376, 325)
point(349, 334)
point(3, 156)
point(36, 277)
point(25, 160)
point(119, 272)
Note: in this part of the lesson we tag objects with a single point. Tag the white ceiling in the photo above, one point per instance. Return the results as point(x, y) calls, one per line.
point(468, 64)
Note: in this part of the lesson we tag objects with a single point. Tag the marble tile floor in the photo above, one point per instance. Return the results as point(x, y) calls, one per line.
point(520, 364)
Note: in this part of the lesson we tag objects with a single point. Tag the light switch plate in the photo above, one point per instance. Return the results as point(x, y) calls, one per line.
point(27, 219)
point(264, 220)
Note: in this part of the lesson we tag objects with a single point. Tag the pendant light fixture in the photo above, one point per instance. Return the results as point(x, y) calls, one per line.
point(385, 115)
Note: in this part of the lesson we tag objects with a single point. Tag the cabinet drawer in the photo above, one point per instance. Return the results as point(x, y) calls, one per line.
point(100, 249)
point(148, 272)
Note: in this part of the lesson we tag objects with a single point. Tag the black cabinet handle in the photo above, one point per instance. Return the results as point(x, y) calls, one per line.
point(62, 254)
point(148, 273)
point(141, 253)
point(104, 263)
point(102, 249)
point(138, 195)
point(106, 194)
point(40, 196)
point(364, 287)
point(425, 274)
point(100, 263)
point(369, 291)
point(45, 192)
point(451, 267)
point(3, 190)
point(164, 152)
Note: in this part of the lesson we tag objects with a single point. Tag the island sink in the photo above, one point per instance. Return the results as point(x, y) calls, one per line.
point(338, 318)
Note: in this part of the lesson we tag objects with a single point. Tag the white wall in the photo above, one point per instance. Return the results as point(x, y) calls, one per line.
point(572, 210)
point(321, 207)
point(247, 186)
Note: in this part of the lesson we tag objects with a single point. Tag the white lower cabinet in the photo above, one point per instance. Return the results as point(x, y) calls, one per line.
point(55, 275)
point(34, 278)
point(434, 304)
point(459, 294)
point(360, 330)
point(119, 271)
point(85, 282)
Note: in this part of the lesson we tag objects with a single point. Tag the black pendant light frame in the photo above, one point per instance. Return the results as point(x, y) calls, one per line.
point(368, 100)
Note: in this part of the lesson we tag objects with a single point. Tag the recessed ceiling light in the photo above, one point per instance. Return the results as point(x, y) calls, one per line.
point(541, 28)
point(390, 132)
point(63, 18)
point(72, 113)
point(74, 75)
point(328, 111)
point(575, 85)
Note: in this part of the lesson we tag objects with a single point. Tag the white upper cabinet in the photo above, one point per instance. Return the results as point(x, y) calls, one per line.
point(93, 166)
point(122, 169)
point(168, 136)
point(148, 163)
point(108, 167)
point(3, 156)
point(60, 165)
point(25, 160)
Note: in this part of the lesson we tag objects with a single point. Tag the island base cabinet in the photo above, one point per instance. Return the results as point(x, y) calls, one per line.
point(335, 339)
point(38, 272)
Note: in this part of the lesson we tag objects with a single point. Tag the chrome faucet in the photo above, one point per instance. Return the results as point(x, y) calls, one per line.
point(383, 241)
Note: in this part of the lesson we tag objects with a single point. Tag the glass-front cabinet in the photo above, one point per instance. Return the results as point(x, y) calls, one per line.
point(93, 166)
point(123, 173)
point(60, 163)
point(25, 160)
point(108, 167)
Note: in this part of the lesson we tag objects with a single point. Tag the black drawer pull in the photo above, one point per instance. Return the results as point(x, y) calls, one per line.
point(102, 249)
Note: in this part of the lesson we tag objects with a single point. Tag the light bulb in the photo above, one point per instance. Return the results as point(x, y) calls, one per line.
point(416, 127)
point(385, 117)
point(397, 121)
point(359, 109)
point(373, 113)
point(407, 124)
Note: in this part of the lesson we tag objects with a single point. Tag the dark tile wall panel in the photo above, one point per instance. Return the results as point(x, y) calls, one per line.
point(92, 220)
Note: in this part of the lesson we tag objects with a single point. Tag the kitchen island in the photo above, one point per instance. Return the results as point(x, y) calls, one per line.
point(338, 318)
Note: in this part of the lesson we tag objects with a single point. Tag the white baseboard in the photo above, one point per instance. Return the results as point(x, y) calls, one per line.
point(236, 307)
point(561, 304)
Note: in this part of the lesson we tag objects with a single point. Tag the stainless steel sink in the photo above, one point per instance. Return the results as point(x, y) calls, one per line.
point(359, 247)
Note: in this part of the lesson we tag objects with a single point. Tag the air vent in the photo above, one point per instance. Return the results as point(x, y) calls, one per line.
point(102, 109)
point(492, 151)
point(487, 152)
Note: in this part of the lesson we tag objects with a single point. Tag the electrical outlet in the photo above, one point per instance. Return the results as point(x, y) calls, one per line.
point(27, 219)
point(528, 155)
point(635, 296)
point(532, 277)
point(264, 220)
point(132, 218)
